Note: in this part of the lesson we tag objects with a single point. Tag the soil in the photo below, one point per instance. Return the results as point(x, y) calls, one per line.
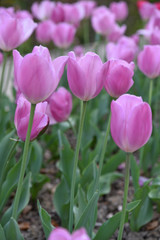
point(108, 205)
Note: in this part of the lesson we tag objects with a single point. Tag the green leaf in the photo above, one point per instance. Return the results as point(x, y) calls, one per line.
point(110, 226)
point(154, 194)
point(45, 220)
point(24, 199)
point(106, 181)
point(37, 183)
point(135, 172)
point(84, 220)
point(2, 234)
point(10, 184)
point(82, 202)
point(12, 230)
point(113, 162)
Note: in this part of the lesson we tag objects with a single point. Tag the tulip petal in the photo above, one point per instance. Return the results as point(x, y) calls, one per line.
point(17, 59)
point(59, 65)
point(60, 234)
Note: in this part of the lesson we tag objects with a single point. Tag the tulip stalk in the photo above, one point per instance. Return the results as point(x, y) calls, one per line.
point(3, 71)
point(23, 164)
point(81, 124)
point(127, 170)
point(150, 92)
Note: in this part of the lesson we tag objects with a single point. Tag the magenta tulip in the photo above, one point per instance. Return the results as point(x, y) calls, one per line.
point(61, 233)
point(36, 75)
point(120, 10)
point(58, 13)
point(147, 10)
point(42, 10)
point(22, 114)
point(102, 20)
point(131, 122)
point(85, 76)
point(44, 31)
point(118, 77)
point(14, 30)
point(60, 104)
point(125, 49)
point(63, 35)
point(148, 61)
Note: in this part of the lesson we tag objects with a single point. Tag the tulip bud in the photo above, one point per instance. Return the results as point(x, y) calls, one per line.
point(22, 115)
point(118, 77)
point(84, 75)
point(36, 75)
point(44, 31)
point(120, 9)
point(60, 104)
point(148, 61)
point(131, 122)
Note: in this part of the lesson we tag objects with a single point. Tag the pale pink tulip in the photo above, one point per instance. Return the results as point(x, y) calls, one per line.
point(120, 9)
point(147, 10)
point(131, 122)
point(116, 32)
point(148, 61)
point(42, 10)
point(36, 75)
point(58, 13)
point(85, 76)
point(44, 31)
point(88, 7)
point(118, 77)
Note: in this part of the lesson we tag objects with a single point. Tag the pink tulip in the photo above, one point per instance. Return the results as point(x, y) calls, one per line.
point(23, 14)
point(63, 35)
point(1, 58)
point(22, 114)
point(102, 20)
point(116, 32)
point(62, 234)
point(58, 13)
point(118, 77)
point(131, 122)
point(60, 104)
point(88, 7)
point(125, 49)
point(147, 10)
point(79, 51)
point(36, 75)
point(74, 13)
point(148, 61)
point(120, 9)
point(42, 10)
point(14, 30)
point(85, 77)
point(44, 31)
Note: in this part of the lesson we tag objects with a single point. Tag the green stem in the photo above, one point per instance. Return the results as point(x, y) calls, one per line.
point(23, 164)
point(127, 170)
point(150, 92)
point(3, 71)
point(82, 116)
point(104, 147)
point(86, 31)
point(10, 154)
point(9, 74)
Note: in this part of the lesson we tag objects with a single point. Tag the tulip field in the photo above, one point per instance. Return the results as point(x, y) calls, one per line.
point(80, 121)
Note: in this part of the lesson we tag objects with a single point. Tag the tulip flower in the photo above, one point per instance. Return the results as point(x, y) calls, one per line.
point(88, 7)
point(42, 10)
point(84, 75)
point(124, 49)
point(74, 13)
point(148, 61)
point(120, 9)
point(63, 35)
point(22, 114)
point(58, 13)
point(60, 104)
point(102, 20)
point(116, 32)
point(146, 10)
point(14, 30)
point(61, 233)
point(44, 31)
point(131, 122)
point(118, 77)
point(36, 75)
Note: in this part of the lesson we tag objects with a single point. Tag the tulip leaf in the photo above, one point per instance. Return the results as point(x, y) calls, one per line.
point(45, 220)
point(135, 172)
point(24, 199)
point(111, 225)
point(2, 234)
point(154, 194)
point(12, 230)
